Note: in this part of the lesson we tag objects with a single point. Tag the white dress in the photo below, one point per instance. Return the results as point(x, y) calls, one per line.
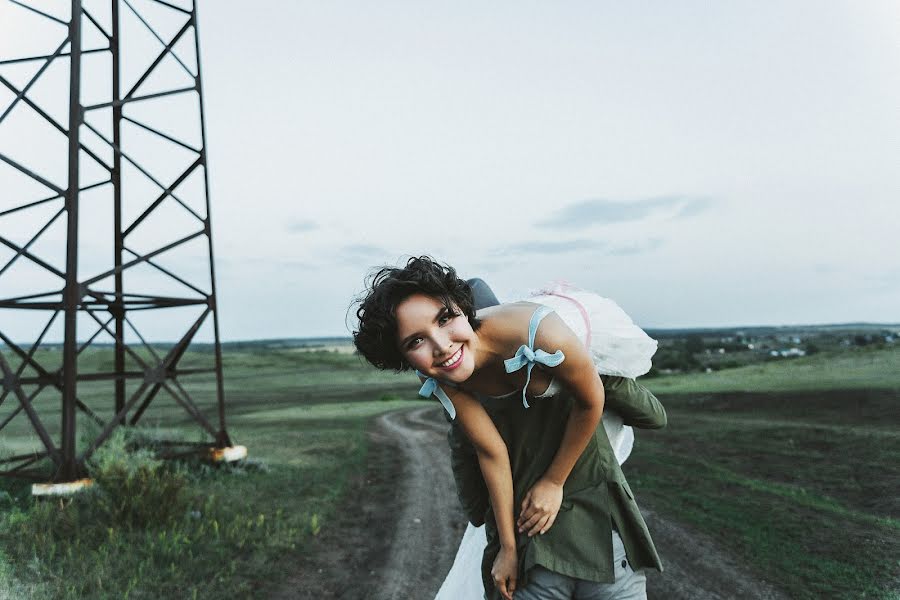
point(618, 347)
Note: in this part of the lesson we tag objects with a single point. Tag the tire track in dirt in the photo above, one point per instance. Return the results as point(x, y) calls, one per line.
point(395, 534)
point(696, 568)
point(430, 523)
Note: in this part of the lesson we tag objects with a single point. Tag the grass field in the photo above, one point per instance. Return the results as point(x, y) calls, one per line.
point(859, 368)
point(798, 474)
point(791, 465)
point(241, 530)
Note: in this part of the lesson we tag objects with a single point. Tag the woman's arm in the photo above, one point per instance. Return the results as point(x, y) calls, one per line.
point(493, 458)
point(541, 504)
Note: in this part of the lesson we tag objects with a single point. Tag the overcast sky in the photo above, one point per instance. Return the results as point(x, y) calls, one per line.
point(703, 164)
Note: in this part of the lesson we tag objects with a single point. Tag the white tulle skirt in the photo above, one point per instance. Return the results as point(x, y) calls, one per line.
point(618, 347)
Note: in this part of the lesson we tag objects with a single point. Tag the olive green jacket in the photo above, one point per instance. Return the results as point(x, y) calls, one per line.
point(596, 495)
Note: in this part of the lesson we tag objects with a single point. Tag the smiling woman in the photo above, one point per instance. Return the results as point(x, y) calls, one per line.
point(423, 316)
point(436, 339)
point(379, 339)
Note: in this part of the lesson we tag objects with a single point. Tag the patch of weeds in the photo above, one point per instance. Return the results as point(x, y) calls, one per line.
point(175, 529)
point(133, 488)
point(11, 588)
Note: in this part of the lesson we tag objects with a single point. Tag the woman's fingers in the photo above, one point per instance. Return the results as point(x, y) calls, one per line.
point(531, 521)
point(527, 518)
point(536, 522)
point(529, 510)
point(526, 501)
point(504, 590)
point(538, 527)
point(549, 524)
point(504, 572)
point(526, 507)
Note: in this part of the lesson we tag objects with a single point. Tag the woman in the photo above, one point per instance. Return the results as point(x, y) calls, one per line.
point(422, 316)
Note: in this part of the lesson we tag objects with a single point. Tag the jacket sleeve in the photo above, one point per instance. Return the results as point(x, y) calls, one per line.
point(636, 404)
point(470, 485)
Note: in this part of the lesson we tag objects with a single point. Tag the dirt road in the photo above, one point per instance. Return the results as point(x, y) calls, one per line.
point(406, 525)
point(397, 533)
point(430, 522)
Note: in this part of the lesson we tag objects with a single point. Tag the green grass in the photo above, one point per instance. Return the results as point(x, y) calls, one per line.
point(797, 477)
point(811, 545)
point(241, 530)
point(865, 368)
point(791, 465)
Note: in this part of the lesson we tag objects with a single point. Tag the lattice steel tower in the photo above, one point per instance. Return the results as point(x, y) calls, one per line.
point(104, 220)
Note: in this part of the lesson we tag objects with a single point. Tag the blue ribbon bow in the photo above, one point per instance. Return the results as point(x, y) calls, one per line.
point(431, 387)
point(526, 356)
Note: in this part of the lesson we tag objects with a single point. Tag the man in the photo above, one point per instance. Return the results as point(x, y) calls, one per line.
point(599, 542)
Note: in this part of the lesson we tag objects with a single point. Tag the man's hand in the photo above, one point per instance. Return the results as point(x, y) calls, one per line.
point(505, 571)
point(540, 507)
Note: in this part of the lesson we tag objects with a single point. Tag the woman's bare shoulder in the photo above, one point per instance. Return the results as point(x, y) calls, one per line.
point(507, 322)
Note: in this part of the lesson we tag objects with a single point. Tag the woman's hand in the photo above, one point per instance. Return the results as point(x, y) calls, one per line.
point(505, 571)
point(540, 507)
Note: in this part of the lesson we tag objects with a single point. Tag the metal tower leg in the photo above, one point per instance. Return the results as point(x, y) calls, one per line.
point(26, 376)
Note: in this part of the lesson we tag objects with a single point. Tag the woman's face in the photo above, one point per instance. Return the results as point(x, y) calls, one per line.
point(434, 340)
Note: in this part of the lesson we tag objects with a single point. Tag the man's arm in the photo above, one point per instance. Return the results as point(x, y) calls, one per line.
point(636, 404)
point(470, 486)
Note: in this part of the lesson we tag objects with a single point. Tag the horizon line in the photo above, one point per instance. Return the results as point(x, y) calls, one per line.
point(343, 338)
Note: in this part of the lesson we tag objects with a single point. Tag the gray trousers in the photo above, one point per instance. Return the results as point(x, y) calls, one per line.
point(548, 585)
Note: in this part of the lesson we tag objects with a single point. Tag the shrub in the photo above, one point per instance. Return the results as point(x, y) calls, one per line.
point(135, 489)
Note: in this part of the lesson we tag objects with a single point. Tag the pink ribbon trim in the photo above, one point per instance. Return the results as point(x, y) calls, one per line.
point(584, 315)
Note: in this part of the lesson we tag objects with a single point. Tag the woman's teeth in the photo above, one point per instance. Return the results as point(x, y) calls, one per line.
point(452, 359)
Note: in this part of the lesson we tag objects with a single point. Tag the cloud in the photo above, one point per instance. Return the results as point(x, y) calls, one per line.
point(692, 207)
point(595, 247)
point(262, 264)
point(601, 211)
point(357, 249)
point(636, 248)
point(356, 254)
point(554, 247)
point(301, 226)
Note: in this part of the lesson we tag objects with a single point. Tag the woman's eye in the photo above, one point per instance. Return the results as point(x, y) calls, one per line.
point(446, 317)
point(413, 343)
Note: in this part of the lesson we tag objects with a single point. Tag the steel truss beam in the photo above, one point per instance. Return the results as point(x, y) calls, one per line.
point(78, 294)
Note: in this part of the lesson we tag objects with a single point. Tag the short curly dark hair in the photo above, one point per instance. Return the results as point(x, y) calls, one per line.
point(376, 338)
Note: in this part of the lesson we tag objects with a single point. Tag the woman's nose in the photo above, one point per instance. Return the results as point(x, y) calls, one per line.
point(442, 345)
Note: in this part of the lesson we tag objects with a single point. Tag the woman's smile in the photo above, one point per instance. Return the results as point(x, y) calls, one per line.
point(436, 339)
point(452, 362)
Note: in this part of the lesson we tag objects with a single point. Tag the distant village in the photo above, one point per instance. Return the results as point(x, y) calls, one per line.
point(712, 350)
point(697, 350)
